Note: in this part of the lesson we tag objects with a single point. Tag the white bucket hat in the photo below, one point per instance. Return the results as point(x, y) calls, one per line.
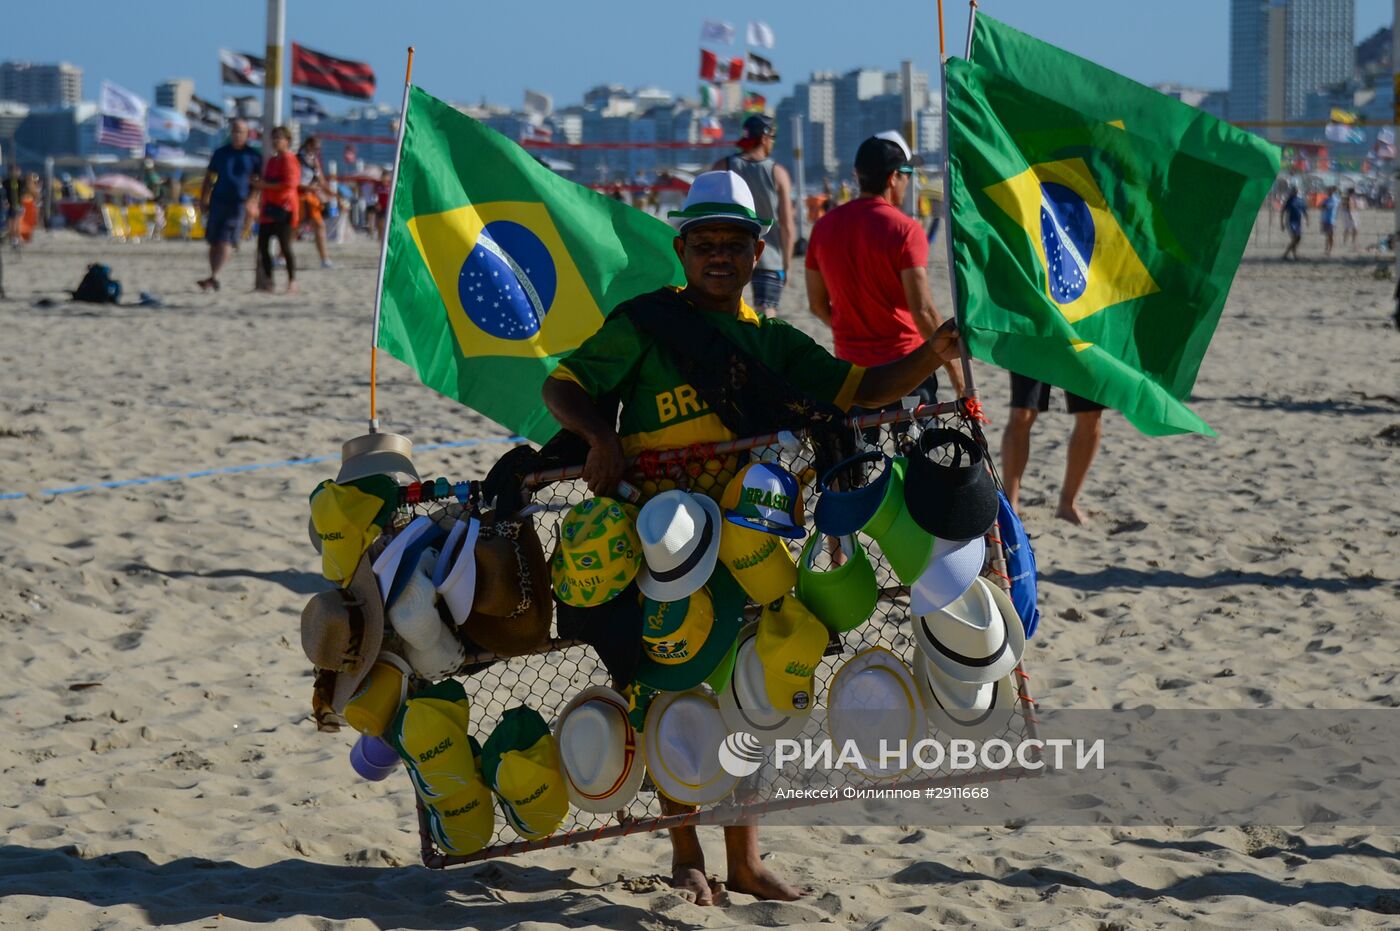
point(455, 574)
point(873, 697)
point(962, 709)
point(950, 572)
point(430, 648)
point(683, 735)
point(599, 751)
point(680, 543)
point(744, 705)
point(978, 638)
point(719, 197)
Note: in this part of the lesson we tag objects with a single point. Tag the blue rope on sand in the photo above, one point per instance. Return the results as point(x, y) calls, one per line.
point(234, 470)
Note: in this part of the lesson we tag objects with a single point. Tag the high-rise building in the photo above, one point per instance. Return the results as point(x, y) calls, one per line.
point(175, 94)
point(1283, 50)
point(59, 85)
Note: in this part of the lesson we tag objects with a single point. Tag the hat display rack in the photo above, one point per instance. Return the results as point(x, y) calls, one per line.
point(550, 677)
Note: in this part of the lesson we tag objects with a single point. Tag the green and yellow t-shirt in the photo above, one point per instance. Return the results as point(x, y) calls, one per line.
point(661, 411)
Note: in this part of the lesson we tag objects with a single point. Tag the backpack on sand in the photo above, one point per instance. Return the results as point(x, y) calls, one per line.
point(98, 287)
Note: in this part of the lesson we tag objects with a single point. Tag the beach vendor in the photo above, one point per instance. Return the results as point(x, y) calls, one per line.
point(669, 357)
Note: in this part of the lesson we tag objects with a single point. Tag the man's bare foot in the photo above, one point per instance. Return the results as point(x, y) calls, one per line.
point(759, 882)
point(691, 883)
point(291, 288)
point(1072, 514)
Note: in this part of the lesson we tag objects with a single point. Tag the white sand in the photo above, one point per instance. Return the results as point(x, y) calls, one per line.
point(158, 764)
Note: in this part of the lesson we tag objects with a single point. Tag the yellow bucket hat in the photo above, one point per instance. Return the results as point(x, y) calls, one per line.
point(430, 733)
point(790, 644)
point(760, 562)
point(598, 554)
point(466, 822)
point(520, 761)
point(347, 517)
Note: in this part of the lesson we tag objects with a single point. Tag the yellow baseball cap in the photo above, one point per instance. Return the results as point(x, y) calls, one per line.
point(430, 734)
point(520, 761)
point(466, 822)
point(790, 644)
point(760, 562)
point(598, 554)
point(347, 517)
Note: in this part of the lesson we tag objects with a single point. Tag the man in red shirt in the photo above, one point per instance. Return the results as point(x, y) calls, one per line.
point(866, 276)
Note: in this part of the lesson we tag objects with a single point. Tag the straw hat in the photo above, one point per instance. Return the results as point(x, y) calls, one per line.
point(963, 709)
point(719, 197)
point(873, 697)
point(680, 541)
point(599, 751)
point(744, 705)
point(683, 735)
point(978, 638)
point(343, 629)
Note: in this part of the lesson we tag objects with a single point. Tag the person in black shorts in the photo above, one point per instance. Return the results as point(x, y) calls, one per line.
point(1028, 398)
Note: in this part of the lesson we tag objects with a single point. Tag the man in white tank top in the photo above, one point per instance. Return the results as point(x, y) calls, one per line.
point(772, 196)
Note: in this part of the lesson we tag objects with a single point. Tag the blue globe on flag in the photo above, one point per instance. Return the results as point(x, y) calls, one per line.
point(1067, 232)
point(508, 280)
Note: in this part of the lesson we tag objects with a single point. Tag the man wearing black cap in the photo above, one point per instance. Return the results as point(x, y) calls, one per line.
point(866, 276)
point(772, 197)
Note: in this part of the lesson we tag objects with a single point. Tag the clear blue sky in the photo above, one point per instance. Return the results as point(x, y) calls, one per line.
point(468, 49)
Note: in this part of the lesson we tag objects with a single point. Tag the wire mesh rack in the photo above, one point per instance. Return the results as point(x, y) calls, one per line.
point(547, 679)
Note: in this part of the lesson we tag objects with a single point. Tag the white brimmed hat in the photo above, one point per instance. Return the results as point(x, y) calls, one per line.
point(744, 706)
point(873, 697)
point(719, 197)
point(599, 751)
point(963, 709)
point(682, 736)
point(950, 572)
point(454, 577)
point(680, 543)
point(978, 638)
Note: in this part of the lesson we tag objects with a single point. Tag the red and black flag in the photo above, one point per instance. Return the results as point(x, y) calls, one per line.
point(323, 72)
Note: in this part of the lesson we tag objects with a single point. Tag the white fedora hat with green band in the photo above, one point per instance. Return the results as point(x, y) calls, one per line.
point(719, 197)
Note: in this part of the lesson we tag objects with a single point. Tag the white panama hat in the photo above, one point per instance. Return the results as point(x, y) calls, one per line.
point(873, 697)
point(950, 572)
point(682, 736)
point(744, 705)
point(976, 639)
point(454, 577)
point(963, 709)
point(719, 197)
point(599, 751)
point(680, 534)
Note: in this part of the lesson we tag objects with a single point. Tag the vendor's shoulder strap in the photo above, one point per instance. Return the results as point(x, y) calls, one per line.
point(747, 396)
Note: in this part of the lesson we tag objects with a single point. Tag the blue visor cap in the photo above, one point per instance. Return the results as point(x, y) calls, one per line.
point(842, 513)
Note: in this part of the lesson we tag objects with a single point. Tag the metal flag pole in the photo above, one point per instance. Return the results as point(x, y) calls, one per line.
point(969, 386)
point(274, 73)
point(800, 172)
point(384, 248)
point(1395, 187)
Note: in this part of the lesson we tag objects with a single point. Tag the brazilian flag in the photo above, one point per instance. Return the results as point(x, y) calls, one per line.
point(497, 267)
point(1097, 224)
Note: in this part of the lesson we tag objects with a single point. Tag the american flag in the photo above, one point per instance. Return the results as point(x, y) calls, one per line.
point(123, 134)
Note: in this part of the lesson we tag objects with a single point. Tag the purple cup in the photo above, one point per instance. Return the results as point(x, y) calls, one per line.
point(373, 758)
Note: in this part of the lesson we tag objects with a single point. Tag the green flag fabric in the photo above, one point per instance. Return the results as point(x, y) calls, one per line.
point(1097, 224)
point(497, 267)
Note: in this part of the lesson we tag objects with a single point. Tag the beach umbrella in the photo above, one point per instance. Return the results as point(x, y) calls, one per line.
point(121, 184)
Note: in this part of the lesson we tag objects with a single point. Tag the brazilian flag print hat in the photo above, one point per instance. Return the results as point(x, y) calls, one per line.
point(598, 554)
point(520, 761)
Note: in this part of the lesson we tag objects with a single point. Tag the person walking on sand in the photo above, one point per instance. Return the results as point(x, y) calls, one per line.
point(314, 192)
point(227, 191)
point(277, 216)
point(1028, 398)
point(1330, 206)
point(1291, 218)
point(1349, 234)
point(719, 243)
point(772, 197)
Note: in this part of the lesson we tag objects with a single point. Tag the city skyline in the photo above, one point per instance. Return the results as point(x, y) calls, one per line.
point(1141, 43)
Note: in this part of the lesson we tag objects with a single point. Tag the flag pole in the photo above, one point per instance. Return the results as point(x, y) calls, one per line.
point(969, 386)
point(384, 248)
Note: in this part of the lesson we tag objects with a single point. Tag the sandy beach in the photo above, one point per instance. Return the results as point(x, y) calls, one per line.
point(159, 764)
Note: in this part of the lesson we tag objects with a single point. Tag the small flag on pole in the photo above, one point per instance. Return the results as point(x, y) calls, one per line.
point(709, 61)
point(120, 133)
point(755, 102)
point(714, 30)
point(119, 102)
point(308, 109)
point(760, 34)
point(241, 69)
point(709, 96)
point(736, 69)
point(761, 70)
point(321, 72)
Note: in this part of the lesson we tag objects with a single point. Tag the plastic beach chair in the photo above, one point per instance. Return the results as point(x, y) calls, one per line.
point(114, 220)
